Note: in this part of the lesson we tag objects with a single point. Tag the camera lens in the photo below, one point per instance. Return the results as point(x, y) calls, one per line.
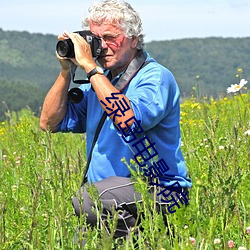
point(75, 95)
point(65, 48)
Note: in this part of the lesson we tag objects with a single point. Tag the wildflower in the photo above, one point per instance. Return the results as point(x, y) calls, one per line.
point(123, 159)
point(216, 241)
point(132, 162)
point(198, 182)
point(248, 230)
point(230, 244)
point(192, 240)
point(22, 210)
point(195, 105)
point(242, 248)
point(240, 70)
point(45, 216)
point(237, 87)
point(221, 147)
point(185, 227)
point(247, 133)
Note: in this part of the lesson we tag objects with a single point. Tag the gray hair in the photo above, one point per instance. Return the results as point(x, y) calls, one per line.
point(120, 13)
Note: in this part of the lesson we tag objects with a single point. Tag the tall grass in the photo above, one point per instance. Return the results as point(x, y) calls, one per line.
point(40, 172)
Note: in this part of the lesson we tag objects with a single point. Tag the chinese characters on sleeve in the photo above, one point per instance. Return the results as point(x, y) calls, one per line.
point(145, 151)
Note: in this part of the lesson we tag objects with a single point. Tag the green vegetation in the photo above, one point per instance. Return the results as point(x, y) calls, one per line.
point(40, 172)
point(28, 61)
point(28, 68)
point(209, 63)
point(16, 95)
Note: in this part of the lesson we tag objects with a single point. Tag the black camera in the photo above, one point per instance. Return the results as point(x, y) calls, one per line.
point(65, 48)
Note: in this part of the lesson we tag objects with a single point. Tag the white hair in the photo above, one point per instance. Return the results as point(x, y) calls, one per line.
point(120, 13)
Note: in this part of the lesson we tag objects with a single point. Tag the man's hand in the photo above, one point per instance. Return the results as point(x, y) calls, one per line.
point(66, 63)
point(83, 54)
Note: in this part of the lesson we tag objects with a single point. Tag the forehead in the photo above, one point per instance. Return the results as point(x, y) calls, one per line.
point(104, 27)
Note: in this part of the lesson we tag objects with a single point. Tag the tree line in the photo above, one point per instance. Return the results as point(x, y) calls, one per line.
point(202, 67)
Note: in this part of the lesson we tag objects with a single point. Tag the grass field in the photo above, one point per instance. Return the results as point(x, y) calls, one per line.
point(40, 172)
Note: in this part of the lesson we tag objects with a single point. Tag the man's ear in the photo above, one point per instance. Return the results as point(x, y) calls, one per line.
point(134, 42)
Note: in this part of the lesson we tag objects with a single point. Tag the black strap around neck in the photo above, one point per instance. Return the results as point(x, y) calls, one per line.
point(97, 132)
point(136, 64)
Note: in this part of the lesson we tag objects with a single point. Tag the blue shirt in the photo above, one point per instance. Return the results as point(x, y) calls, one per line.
point(154, 97)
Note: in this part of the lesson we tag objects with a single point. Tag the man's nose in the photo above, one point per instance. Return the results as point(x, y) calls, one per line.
point(104, 44)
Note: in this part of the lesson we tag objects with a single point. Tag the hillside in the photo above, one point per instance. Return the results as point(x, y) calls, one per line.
point(28, 66)
point(210, 63)
point(28, 57)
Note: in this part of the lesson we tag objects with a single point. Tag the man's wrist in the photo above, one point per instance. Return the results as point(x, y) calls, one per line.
point(96, 70)
point(65, 73)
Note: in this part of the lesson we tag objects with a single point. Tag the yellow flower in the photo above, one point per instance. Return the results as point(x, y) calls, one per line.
point(240, 70)
point(132, 162)
point(195, 105)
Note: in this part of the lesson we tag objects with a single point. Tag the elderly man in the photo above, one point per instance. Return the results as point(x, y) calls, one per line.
point(140, 98)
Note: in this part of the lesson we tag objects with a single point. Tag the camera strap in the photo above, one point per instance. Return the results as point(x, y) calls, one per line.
point(136, 64)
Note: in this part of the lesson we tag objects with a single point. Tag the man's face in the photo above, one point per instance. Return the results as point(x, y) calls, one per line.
point(118, 50)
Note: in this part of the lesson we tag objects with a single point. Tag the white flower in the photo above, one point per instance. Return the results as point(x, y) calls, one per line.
point(221, 147)
point(192, 240)
point(237, 87)
point(217, 241)
point(246, 133)
point(242, 248)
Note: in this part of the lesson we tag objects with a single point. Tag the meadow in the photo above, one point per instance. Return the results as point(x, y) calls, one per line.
point(40, 172)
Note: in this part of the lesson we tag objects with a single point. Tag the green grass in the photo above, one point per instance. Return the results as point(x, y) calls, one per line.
point(40, 172)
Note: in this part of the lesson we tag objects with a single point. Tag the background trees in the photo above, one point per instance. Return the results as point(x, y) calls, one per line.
point(202, 67)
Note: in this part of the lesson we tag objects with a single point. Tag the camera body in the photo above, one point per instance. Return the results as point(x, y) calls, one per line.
point(65, 48)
